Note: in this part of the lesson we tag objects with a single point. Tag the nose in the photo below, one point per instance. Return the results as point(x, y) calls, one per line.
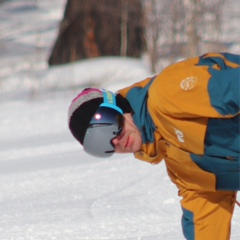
point(115, 141)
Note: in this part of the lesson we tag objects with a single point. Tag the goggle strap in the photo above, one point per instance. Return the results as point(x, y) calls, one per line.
point(109, 100)
point(112, 106)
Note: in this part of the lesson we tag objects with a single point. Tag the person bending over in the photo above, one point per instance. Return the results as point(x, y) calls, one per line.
point(188, 116)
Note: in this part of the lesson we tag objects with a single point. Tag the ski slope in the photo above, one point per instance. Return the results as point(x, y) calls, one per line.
point(49, 188)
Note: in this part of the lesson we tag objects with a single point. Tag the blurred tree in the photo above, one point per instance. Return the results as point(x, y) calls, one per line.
point(154, 22)
point(92, 28)
point(179, 29)
point(193, 13)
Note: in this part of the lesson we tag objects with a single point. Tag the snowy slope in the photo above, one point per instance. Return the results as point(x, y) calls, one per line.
point(49, 188)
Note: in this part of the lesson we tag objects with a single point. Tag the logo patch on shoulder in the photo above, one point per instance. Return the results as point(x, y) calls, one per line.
point(188, 83)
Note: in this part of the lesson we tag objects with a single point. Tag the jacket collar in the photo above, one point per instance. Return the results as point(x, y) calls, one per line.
point(138, 98)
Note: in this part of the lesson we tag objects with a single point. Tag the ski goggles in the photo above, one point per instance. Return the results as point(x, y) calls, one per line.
point(105, 125)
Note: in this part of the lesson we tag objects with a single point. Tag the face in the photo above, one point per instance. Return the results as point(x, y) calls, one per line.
point(130, 140)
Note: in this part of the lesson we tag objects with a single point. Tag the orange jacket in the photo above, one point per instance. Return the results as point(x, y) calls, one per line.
point(189, 116)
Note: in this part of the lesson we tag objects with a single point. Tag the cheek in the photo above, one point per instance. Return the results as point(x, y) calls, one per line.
point(129, 126)
point(138, 143)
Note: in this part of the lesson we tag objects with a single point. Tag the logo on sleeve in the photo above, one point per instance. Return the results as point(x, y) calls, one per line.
point(180, 135)
point(188, 83)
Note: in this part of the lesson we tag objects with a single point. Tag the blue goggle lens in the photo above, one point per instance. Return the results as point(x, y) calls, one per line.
point(106, 124)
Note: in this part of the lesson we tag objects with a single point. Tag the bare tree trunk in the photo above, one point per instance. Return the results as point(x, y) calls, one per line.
point(93, 28)
point(192, 14)
point(124, 19)
point(176, 28)
point(153, 24)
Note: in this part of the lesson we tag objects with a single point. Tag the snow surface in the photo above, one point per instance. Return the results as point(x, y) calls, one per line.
point(49, 188)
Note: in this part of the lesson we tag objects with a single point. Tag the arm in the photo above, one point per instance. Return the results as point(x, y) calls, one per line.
point(207, 215)
point(191, 89)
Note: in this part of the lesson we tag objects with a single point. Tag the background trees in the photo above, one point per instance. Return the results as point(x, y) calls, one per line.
point(178, 29)
point(92, 28)
point(164, 30)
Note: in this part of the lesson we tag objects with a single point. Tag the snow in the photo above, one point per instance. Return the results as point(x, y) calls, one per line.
point(49, 188)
